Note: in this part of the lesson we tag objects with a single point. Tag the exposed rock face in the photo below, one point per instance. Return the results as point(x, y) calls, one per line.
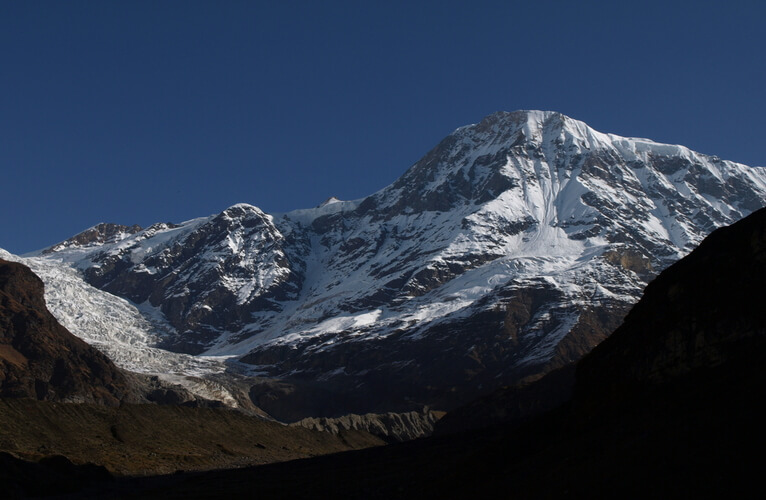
point(209, 279)
point(99, 234)
point(392, 427)
point(39, 358)
point(512, 248)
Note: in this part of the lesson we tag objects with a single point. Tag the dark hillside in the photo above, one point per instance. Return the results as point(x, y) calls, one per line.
point(39, 358)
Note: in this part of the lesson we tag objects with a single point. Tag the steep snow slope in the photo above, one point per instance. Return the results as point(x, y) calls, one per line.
point(513, 246)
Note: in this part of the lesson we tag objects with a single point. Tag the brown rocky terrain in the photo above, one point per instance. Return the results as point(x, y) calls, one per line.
point(141, 440)
point(151, 439)
point(100, 233)
point(40, 359)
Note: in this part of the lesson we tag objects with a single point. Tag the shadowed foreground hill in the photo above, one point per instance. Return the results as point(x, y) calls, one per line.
point(668, 406)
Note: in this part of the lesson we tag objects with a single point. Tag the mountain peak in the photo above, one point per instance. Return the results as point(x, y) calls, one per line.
point(522, 116)
point(241, 208)
point(529, 156)
point(97, 235)
point(519, 127)
point(243, 211)
point(530, 121)
point(329, 201)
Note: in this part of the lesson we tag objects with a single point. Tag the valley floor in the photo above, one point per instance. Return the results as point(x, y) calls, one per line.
point(663, 446)
point(147, 439)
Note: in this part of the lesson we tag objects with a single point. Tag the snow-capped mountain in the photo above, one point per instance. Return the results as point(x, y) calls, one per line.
point(514, 246)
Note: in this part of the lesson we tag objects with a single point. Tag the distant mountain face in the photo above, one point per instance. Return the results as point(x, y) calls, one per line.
point(513, 247)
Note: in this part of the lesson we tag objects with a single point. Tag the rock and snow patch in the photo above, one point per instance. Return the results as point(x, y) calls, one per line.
point(117, 328)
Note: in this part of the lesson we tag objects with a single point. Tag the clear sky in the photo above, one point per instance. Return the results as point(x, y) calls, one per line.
point(145, 111)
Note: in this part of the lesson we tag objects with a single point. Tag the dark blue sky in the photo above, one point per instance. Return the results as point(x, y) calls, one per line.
point(138, 112)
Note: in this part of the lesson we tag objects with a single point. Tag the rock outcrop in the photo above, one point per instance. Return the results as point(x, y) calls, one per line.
point(40, 359)
point(391, 427)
